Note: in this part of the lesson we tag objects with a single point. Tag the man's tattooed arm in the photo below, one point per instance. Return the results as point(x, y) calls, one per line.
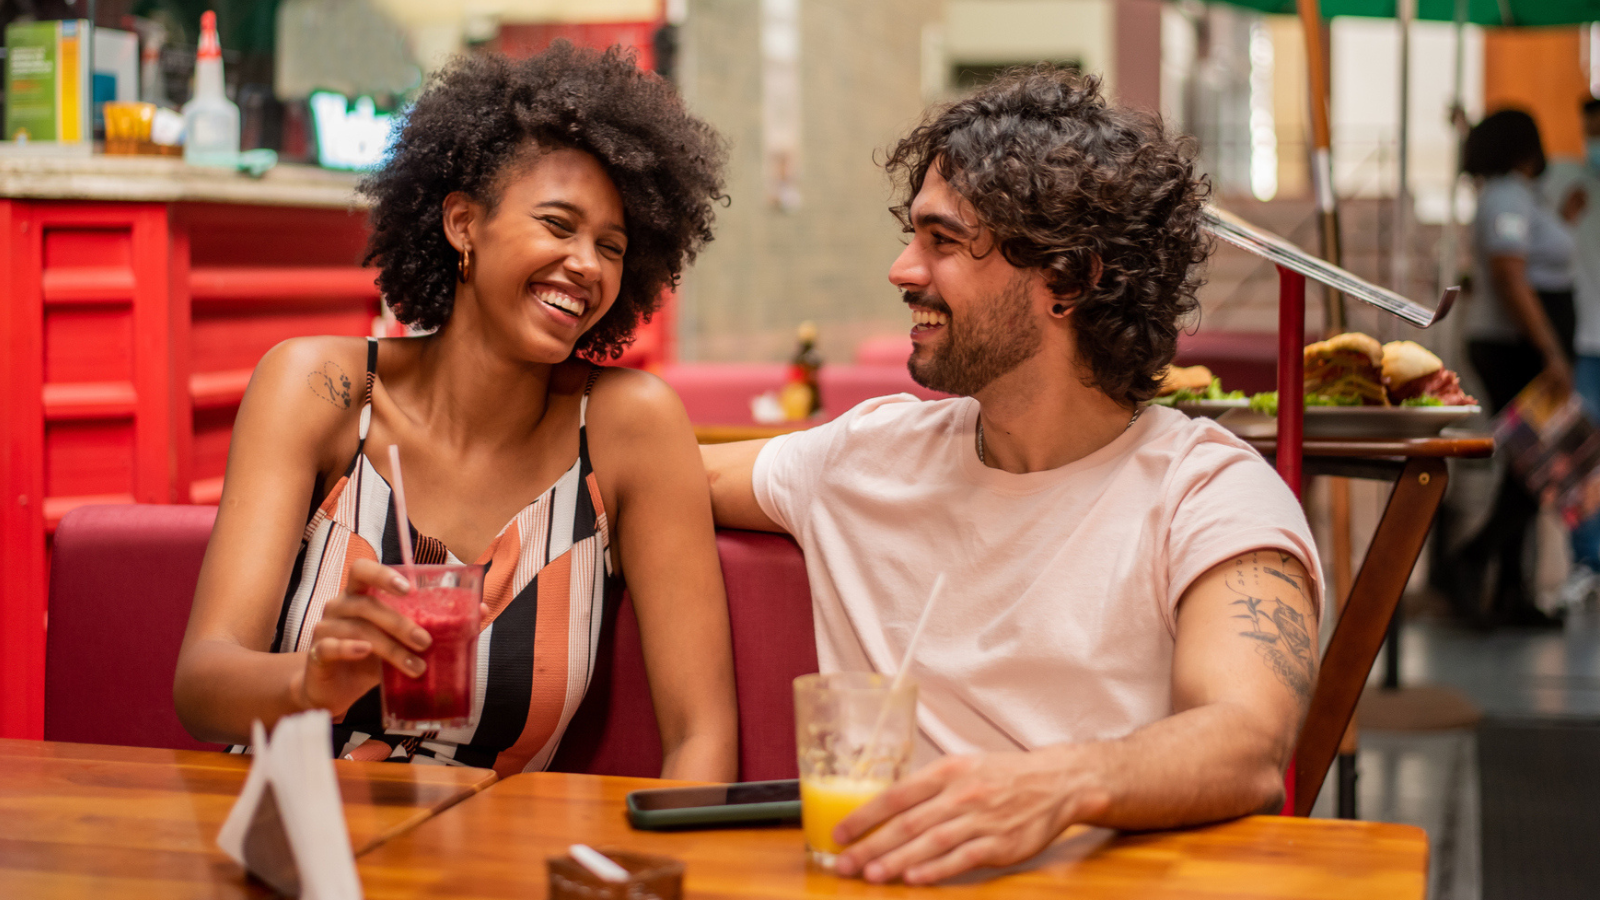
point(1268, 605)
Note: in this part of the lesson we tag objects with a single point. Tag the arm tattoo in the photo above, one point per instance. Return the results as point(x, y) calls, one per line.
point(1279, 629)
point(331, 384)
point(1289, 578)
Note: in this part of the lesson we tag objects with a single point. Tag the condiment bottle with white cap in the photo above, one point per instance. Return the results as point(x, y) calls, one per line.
point(210, 120)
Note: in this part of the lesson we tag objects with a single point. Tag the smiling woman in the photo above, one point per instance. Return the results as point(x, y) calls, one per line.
point(546, 266)
point(485, 118)
point(529, 214)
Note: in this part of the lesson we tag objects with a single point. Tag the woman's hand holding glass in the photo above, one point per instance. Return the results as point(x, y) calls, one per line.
point(357, 632)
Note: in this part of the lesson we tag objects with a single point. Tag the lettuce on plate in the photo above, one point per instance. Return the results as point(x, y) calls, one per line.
point(1213, 391)
point(1266, 403)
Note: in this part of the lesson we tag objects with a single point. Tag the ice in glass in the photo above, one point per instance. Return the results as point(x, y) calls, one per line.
point(854, 738)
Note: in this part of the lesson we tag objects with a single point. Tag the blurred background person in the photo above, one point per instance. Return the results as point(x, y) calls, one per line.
point(1578, 181)
point(1519, 326)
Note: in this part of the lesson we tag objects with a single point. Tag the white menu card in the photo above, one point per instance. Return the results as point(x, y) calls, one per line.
point(287, 827)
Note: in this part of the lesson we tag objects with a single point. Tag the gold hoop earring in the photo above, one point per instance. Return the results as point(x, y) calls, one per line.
point(464, 265)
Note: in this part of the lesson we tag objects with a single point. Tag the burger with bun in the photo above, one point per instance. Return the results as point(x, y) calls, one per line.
point(1344, 370)
point(1194, 379)
point(1415, 377)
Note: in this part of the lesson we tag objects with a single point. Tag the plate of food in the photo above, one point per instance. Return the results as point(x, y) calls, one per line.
point(1195, 391)
point(1353, 421)
point(1357, 388)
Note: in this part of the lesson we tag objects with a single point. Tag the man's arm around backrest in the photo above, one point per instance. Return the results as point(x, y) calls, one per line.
point(730, 468)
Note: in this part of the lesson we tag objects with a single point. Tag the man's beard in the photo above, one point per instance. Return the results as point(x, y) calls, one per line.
point(974, 353)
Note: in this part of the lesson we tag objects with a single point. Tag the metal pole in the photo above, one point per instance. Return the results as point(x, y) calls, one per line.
point(1347, 786)
point(1322, 152)
point(1450, 246)
point(1391, 661)
point(1407, 11)
point(1291, 374)
point(1291, 406)
point(1334, 319)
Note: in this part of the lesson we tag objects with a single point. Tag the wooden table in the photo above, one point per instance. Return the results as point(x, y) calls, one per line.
point(79, 820)
point(495, 845)
point(727, 434)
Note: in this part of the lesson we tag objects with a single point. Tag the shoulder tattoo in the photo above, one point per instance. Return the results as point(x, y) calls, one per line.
point(331, 384)
point(1269, 607)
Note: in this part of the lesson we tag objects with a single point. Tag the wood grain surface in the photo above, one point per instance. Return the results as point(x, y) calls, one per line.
point(495, 845)
point(82, 820)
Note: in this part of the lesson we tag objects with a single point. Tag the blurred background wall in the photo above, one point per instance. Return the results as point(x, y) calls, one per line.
point(810, 93)
point(812, 242)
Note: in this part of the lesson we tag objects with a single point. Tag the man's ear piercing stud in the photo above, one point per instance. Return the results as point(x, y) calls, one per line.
point(1059, 309)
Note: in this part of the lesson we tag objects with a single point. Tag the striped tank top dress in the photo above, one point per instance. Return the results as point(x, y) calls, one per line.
point(548, 574)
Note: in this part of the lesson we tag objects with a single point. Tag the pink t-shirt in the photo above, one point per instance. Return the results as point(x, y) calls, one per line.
point(1057, 622)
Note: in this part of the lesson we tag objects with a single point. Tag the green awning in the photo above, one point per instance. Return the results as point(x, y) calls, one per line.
point(1528, 13)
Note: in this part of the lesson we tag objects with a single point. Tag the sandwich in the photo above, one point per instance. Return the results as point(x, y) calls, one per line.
point(1193, 379)
point(1190, 384)
point(1345, 370)
point(1415, 377)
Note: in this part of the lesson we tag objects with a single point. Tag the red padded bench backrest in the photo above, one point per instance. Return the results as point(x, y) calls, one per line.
point(769, 611)
point(122, 578)
point(121, 581)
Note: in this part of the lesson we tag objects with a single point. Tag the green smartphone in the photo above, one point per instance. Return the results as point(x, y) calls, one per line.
point(716, 805)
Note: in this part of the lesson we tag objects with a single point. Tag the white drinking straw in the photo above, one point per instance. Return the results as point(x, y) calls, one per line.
point(899, 677)
point(598, 863)
point(399, 486)
point(911, 648)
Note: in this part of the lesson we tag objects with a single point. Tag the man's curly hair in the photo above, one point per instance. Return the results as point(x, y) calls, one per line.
point(483, 116)
point(1063, 181)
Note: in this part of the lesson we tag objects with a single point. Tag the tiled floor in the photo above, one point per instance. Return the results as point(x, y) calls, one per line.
point(1430, 778)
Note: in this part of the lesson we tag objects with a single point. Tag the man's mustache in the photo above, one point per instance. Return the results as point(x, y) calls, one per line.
point(924, 300)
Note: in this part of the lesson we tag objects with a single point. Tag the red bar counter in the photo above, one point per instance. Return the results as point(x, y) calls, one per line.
point(139, 295)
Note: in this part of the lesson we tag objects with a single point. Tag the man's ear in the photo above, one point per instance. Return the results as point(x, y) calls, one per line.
point(461, 214)
point(1062, 307)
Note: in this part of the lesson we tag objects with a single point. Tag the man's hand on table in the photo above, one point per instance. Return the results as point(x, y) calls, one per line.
point(962, 812)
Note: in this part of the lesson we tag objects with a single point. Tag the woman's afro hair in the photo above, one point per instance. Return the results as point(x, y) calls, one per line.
point(482, 116)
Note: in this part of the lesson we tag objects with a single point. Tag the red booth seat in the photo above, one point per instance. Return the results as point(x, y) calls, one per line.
point(122, 578)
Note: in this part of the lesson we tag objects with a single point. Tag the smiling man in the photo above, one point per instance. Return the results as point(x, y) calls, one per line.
point(1129, 634)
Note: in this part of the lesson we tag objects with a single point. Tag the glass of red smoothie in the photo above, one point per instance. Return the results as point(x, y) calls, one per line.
point(444, 600)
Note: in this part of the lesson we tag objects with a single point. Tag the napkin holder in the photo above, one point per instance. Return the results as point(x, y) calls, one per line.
point(287, 827)
point(649, 878)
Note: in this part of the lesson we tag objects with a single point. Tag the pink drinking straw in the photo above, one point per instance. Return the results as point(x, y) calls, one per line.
point(399, 486)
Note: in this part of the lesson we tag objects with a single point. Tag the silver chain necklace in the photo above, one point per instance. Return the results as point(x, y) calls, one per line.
point(1131, 419)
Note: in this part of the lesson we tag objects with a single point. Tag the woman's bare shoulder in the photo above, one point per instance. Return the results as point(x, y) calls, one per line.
point(304, 392)
point(636, 403)
point(329, 368)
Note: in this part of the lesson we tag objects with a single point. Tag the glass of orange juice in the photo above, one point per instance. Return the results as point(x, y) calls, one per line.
point(854, 734)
